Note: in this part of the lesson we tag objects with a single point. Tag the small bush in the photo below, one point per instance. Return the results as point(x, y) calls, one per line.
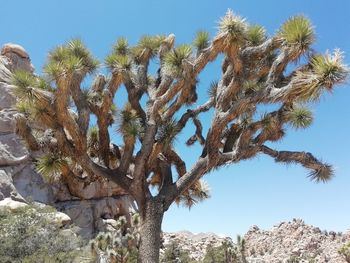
point(294, 259)
point(228, 252)
point(27, 236)
point(345, 251)
point(174, 254)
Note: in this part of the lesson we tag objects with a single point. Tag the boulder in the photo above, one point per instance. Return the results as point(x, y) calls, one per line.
point(18, 57)
point(11, 205)
point(59, 218)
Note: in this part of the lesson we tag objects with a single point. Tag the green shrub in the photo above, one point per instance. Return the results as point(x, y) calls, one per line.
point(228, 252)
point(174, 254)
point(27, 236)
point(294, 259)
point(345, 251)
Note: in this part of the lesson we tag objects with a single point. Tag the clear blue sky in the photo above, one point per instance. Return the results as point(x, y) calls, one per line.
point(254, 192)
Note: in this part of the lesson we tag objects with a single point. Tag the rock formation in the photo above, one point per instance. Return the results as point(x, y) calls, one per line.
point(294, 240)
point(87, 204)
point(195, 244)
point(287, 242)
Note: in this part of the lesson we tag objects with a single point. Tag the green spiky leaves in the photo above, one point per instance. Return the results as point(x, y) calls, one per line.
point(235, 26)
point(129, 123)
point(298, 33)
point(93, 137)
point(252, 86)
point(147, 47)
point(300, 117)
point(33, 94)
point(118, 62)
point(77, 49)
point(330, 68)
point(27, 86)
point(121, 46)
point(167, 132)
point(119, 59)
point(24, 83)
point(325, 72)
point(70, 58)
point(50, 165)
point(173, 60)
point(201, 41)
point(255, 35)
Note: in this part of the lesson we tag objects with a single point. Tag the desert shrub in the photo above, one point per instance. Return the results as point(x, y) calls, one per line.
point(228, 252)
point(174, 254)
point(345, 251)
point(28, 236)
point(214, 255)
point(293, 259)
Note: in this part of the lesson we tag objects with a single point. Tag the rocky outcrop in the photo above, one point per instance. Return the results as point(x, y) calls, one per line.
point(287, 242)
point(15, 160)
point(195, 244)
point(19, 182)
point(294, 240)
point(90, 215)
point(11, 205)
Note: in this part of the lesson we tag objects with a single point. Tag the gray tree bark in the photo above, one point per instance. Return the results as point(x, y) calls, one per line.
point(151, 222)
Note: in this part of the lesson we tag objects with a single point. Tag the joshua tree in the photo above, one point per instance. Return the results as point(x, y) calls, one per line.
point(281, 70)
point(119, 246)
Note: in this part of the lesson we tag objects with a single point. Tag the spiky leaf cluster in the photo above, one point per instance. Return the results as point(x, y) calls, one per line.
point(298, 34)
point(325, 72)
point(255, 35)
point(167, 132)
point(251, 86)
point(23, 107)
point(201, 41)
point(212, 90)
point(93, 138)
point(300, 117)
point(323, 174)
point(50, 165)
point(73, 57)
point(329, 68)
point(129, 122)
point(147, 44)
point(27, 86)
point(173, 60)
point(118, 62)
point(195, 194)
point(33, 95)
point(121, 47)
point(235, 26)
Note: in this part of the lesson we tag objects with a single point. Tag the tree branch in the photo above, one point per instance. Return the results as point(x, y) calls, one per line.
point(321, 172)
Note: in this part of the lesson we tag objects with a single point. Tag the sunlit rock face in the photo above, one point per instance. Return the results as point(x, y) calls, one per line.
point(286, 242)
point(294, 240)
point(18, 178)
point(20, 182)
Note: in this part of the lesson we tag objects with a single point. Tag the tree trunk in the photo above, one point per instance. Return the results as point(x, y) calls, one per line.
point(151, 222)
